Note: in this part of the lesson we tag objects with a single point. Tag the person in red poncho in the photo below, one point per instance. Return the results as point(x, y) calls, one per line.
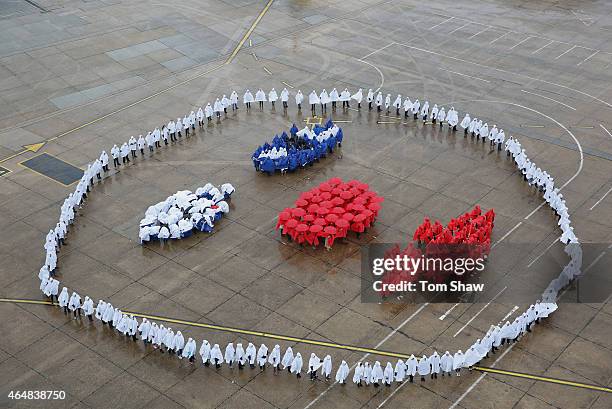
point(329, 211)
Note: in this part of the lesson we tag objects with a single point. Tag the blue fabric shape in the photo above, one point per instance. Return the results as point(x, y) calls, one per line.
point(293, 162)
point(267, 165)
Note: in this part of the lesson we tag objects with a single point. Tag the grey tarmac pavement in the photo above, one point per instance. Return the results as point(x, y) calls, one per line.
point(84, 75)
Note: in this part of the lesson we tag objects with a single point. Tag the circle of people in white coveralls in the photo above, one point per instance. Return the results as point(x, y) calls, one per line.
point(161, 222)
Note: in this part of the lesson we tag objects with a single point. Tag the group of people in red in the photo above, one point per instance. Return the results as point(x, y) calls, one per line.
point(471, 228)
point(467, 236)
point(398, 276)
point(329, 211)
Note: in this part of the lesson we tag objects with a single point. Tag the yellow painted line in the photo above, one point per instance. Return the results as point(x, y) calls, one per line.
point(231, 57)
point(13, 156)
point(138, 102)
point(35, 147)
point(544, 379)
point(249, 32)
point(267, 70)
point(236, 331)
point(23, 301)
point(314, 120)
point(272, 336)
point(327, 344)
point(119, 110)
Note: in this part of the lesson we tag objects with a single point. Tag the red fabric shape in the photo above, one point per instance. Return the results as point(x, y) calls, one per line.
point(330, 211)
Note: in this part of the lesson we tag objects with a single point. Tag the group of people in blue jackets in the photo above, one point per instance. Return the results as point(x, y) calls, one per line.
point(300, 148)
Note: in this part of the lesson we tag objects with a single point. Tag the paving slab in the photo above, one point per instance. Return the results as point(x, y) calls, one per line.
point(90, 76)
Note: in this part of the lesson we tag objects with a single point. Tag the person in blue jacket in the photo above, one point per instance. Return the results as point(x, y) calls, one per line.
point(303, 158)
point(331, 143)
point(283, 164)
point(293, 161)
point(315, 153)
point(322, 149)
point(267, 165)
point(255, 157)
point(312, 156)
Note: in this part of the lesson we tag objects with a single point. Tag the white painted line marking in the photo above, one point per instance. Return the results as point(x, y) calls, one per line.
point(480, 378)
point(288, 85)
point(448, 312)
point(602, 198)
point(548, 98)
point(604, 128)
point(506, 235)
point(516, 45)
point(481, 310)
point(500, 37)
point(459, 28)
point(544, 252)
point(561, 55)
point(382, 77)
point(480, 32)
point(414, 314)
point(609, 105)
point(535, 210)
point(594, 262)
point(588, 58)
point(392, 394)
point(254, 56)
point(461, 397)
point(375, 51)
point(584, 272)
point(464, 75)
point(589, 19)
point(512, 311)
point(267, 70)
point(580, 165)
point(439, 24)
point(543, 47)
point(559, 124)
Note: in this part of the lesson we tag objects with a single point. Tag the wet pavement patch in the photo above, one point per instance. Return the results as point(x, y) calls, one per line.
point(54, 168)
